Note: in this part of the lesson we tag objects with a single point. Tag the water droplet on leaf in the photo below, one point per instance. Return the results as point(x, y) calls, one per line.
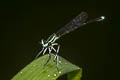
point(48, 75)
point(65, 63)
point(59, 72)
point(55, 75)
point(34, 65)
point(21, 72)
point(60, 62)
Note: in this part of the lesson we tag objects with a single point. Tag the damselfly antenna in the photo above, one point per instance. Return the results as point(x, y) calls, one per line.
point(77, 22)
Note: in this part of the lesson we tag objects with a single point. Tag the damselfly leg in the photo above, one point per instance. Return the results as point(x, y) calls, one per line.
point(49, 57)
point(56, 59)
point(39, 53)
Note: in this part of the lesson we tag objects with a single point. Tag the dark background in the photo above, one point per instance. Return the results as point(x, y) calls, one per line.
point(25, 22)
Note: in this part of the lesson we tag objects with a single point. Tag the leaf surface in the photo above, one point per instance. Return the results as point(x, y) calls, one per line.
point(36, 71)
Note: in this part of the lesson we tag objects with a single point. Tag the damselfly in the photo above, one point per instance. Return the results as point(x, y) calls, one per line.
point(77, 22)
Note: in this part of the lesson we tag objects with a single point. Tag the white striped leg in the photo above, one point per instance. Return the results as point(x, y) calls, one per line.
point(39, 53)
point(44, 51)
point(49, 49)
point(56, 59)
point(54, 44)
point(53, 48)
point(49, 57)
point(58, 48)
point(57, 52)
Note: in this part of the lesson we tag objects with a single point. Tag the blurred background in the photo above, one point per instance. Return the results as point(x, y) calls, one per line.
point(25, 22)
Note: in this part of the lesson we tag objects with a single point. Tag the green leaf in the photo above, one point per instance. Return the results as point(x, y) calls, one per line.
point(36, 71)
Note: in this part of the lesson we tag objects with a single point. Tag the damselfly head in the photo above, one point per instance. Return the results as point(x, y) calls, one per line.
point(44, 43)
